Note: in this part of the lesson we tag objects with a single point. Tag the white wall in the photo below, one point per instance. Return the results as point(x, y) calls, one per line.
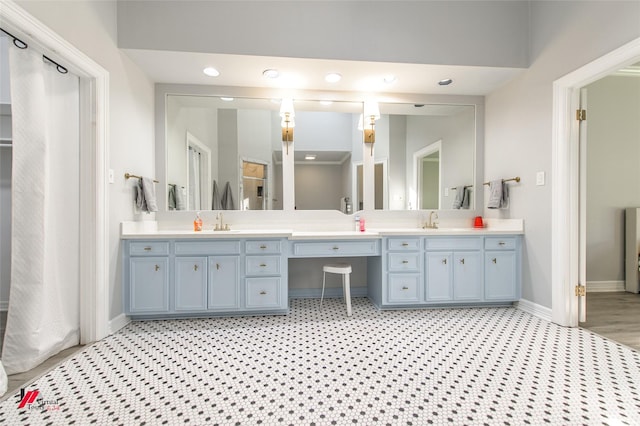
point(319, 186)
point(613, 175)
point(564, 36)
point(91, 27)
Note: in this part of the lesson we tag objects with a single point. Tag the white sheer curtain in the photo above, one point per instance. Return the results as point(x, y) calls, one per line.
point(43, 315)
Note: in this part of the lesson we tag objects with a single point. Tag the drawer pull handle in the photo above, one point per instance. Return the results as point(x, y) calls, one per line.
point(462, 261)
point(444, 261)
point(157, 268)
point(263, 247)
point(405, 288)
point(501, 243)
point(405, 261)
point(263, 292)
point(336, 248)
point(494, 260)
point(147, 249)
point(195, 267)
point(217, 266)
point(405, 244)
point(262, 265)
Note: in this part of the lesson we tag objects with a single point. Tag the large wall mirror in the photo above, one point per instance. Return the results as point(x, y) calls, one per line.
point(222, 153)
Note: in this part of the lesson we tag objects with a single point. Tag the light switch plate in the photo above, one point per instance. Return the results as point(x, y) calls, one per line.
point(540, 178)
point(446, 192)
point(111, 176)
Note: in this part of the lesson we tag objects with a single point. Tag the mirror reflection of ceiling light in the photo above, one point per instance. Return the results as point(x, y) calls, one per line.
point(310, 157)
point(445, 82)
point(271, 73)
point(211, 72)
point(226, 99)
point(326, 103)
point(332, 77)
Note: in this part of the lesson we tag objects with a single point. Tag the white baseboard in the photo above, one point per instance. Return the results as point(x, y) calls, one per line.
point(604, 286)
point(534, 309)
point(4, 306)
point(118, 322)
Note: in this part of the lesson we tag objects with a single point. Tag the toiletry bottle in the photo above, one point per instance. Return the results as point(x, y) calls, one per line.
point(197, 223)
point(362, 224)
point(357, 228)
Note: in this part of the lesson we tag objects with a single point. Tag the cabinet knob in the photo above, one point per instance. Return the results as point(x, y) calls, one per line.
point(336, 248)
point(405, 261)
point(147, 249)
point(405, 244)
point(263, 292)
point(444, 261)
point(501, 243)
point(494, 260)
point(263, 247)
point(217, 266)
point(405, 288)
point(157, 267)
point(262, 265)
point(195, 267)
point(462, 261)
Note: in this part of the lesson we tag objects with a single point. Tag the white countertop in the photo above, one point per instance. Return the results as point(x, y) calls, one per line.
point(147, 232)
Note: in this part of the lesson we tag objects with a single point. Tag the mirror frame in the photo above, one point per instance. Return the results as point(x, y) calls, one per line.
point(164, 90)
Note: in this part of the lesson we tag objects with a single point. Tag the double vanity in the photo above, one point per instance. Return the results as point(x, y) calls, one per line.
point(183, 273)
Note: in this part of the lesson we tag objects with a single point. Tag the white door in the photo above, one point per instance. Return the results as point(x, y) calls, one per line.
point(582, 238)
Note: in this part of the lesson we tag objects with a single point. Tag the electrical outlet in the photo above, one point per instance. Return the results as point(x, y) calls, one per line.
point(540, 178)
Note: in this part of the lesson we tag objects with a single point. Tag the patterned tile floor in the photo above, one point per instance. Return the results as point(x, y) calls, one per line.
point(411, 367)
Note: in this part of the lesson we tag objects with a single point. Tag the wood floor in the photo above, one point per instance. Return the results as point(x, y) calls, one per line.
point(615, 316)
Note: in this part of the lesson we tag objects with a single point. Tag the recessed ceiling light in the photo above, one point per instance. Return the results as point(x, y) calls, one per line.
point(332, 77)
point(445, 82)
point(226, 99)
point(389, 78)
point(211, 72)
point(310, 157)
point(271, 73)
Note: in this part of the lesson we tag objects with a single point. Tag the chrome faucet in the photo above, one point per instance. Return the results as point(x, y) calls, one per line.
point(221, 226)
point(432, 223)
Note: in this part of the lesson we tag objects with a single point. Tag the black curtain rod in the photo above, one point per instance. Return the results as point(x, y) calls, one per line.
point(22, 45)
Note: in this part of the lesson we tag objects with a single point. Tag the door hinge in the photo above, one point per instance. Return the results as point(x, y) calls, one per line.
point(581, 291)
point(581, 114)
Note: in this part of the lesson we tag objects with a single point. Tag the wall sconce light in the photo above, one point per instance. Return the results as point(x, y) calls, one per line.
point(367, 123)
point(287, 113)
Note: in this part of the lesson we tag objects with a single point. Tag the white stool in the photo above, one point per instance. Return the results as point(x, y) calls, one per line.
point(343, 269)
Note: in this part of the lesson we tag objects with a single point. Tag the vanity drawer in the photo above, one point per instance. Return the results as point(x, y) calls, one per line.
point(207, 247)
point(404, 288)
point(266, 246)
point(148, 248)
point(403, 244)
point(462, 243)
point(263, 293)
point(404, 262)
point(497, 243)
point(336, 248)
point(262, 265)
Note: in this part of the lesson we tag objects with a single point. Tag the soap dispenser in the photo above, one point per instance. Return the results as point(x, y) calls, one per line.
point(197, 223)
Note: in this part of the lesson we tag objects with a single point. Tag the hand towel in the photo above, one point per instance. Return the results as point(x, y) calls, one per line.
point(466, 198)
point(181, 197)
point(149, 191)
point(459, 199)
point(215, 198)
point(495, 194)
point(227, 198)
point(504, 201)
point(172, 197)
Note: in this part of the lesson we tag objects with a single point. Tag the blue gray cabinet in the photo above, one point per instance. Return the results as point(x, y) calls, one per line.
point(149, 285)
point(190, 283)
point(453, 269)
point(403, 260)
point(501, 269)
point(224, 289)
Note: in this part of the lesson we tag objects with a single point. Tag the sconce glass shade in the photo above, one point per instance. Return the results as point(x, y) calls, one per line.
point(286, 107)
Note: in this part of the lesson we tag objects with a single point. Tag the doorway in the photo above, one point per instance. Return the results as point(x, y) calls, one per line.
point(567, 233)
point(254, 189)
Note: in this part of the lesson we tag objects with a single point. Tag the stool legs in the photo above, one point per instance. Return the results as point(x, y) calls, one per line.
point(346, 284)
point(324, 276)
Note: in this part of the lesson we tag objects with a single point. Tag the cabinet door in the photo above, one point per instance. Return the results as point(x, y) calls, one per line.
point(500, 275)
point(224, 273)
point(148, 285)
point(439, 276)
point(191, 283)
point(263, 293)
point(467, 277)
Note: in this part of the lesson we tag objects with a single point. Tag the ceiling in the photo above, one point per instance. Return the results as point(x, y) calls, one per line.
point(301, 74)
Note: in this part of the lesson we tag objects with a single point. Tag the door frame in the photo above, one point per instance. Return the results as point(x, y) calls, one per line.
point(94, 297)
point(417, 172)
point(565, 204)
